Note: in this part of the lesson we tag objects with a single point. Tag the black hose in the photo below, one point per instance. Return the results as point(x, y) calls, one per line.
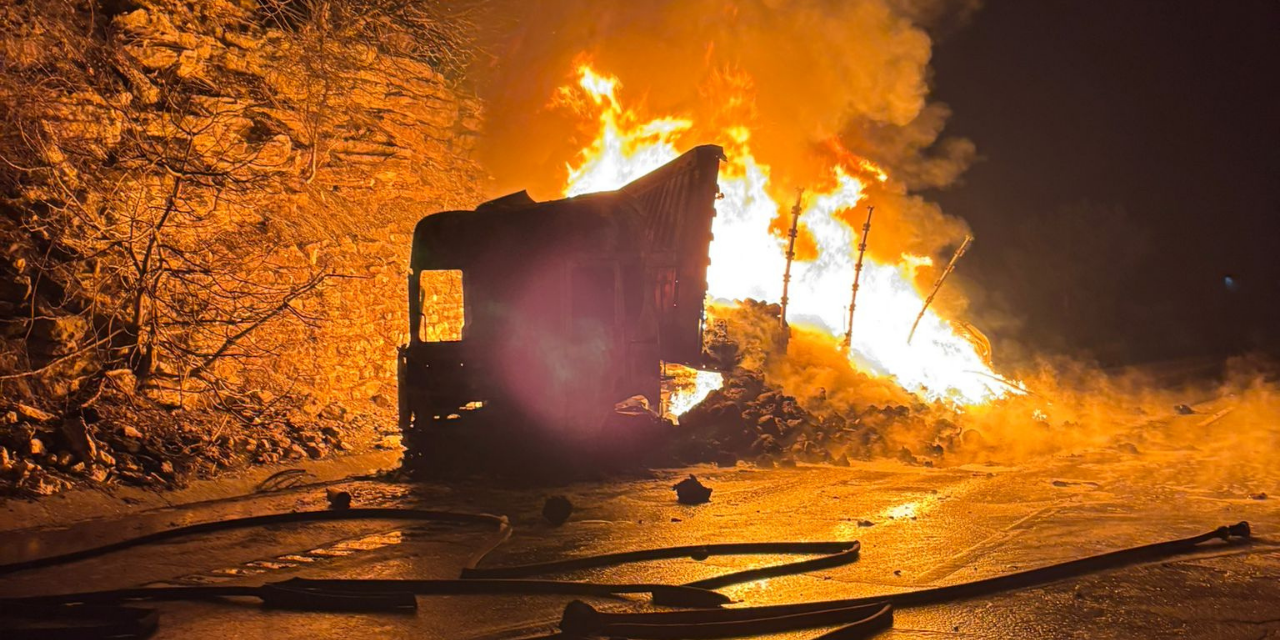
point(662, 594)
point(697, 552)
point(80, 623)
point(791, 568)
point(581, 620)
point(504, 531)
point(861, 621)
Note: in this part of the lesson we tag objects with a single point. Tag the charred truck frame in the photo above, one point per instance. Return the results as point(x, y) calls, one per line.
point(545, 315)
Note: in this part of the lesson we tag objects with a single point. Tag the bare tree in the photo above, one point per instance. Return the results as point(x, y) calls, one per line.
point(148, 225)
point(145, 199)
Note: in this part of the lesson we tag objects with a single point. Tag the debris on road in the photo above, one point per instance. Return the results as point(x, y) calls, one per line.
point(338, 498)
point(557, 509)
point(690, 491)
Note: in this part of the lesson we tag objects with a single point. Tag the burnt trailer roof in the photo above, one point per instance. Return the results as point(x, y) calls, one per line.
point(516, 225)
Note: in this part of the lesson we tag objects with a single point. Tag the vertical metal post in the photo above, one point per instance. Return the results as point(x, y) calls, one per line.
point(791, 255)
point(951, 266)
point(857, 275)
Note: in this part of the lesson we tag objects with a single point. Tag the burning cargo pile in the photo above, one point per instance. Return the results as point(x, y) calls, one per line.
point(766, 414)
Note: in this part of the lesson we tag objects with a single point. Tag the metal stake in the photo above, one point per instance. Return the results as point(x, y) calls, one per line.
point(857, 275)
point(791, 254)
point(964, 246)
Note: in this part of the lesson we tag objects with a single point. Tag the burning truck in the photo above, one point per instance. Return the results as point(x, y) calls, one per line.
point(554, 317)
point(541, 317)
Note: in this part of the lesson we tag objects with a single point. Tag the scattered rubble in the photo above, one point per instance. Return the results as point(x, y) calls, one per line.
point(42, 453)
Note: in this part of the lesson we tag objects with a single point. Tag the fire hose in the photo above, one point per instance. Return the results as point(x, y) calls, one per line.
point(99, 614)
point(580, 620)
point(93, 612)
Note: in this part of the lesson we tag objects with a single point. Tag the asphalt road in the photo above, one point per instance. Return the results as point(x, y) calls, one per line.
point(918, 526)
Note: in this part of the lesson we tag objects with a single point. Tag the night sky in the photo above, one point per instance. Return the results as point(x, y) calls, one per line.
point(1126, 201)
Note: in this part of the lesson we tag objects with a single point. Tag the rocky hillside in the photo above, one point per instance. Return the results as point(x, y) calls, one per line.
point(205, 215)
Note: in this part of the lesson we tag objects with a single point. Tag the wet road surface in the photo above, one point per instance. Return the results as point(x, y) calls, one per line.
point(918, 526)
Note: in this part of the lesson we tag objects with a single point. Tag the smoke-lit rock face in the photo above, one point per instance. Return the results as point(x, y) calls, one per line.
point(214, 200)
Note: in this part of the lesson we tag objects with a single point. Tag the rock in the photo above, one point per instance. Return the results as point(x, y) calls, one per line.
point(44, 485)
point(338, 498)
point(37, 447)
point(130, 432)
point(76, 432)
point(333, 411)
point(33, 414)
point(262, 397)
point(726, 459)
point(105, 459)
point(866, 523)
point(1258, 496)
point(11, 417)
point(96, 473)
point(1184, 410)
point(314, 450)
point(390, 442)
point(841, 461)
point(765, 444)
point(690, 491)
point(294, 451)
point(166, 468)
point(557, 510)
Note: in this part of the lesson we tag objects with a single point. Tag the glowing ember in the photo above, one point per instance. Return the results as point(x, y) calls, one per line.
point(747, 260)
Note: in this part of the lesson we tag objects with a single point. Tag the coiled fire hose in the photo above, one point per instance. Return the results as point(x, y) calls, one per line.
point(97, 614)
point(94, 616)
point(580, 620)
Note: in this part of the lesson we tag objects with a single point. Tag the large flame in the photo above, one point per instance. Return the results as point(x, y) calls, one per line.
point(747, 261)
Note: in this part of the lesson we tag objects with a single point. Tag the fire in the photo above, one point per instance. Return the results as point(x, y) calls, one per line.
point(747, 261)
point(624, 148)
point(689, 387)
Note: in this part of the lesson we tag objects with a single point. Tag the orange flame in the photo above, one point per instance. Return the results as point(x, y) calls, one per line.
point(747, 261)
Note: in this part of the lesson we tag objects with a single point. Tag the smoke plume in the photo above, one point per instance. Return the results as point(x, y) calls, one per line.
point(818, 69)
